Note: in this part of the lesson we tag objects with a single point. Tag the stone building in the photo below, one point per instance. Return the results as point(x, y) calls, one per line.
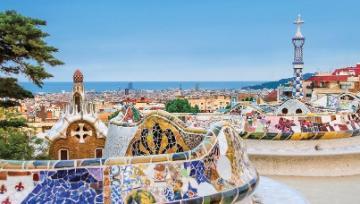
point(210, 103)
point(79, 133)
point(340, 81)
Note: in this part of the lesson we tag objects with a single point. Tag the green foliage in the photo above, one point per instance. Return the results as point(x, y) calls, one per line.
point(13, 122)
point(16, 138)
point(195, 109)
point(248, 99)
point(16, 144)
point(10, 88)
point(8, 103)
point(13, 145)
point(23, 50)
point(180, 106)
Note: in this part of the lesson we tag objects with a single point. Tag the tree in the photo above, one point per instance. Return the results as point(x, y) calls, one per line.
point(23, 50)
point(16, 138)
point(195, 109)
point(180, 106)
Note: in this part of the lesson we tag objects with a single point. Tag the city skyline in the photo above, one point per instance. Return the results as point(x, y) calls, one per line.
point(193, 41)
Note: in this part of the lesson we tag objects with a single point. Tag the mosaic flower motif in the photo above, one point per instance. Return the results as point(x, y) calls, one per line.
point(284, 125)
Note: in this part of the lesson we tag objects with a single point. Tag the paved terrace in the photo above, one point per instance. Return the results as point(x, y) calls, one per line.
point(335, 157)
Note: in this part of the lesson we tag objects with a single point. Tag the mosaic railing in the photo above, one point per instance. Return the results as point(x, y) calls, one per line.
point(217, 170)
point(301, 127)
point(256, 125)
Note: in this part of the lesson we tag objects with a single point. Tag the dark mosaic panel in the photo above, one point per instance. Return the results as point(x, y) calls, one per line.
point(162, 141)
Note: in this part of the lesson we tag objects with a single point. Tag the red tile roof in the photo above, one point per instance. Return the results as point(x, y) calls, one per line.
point(329, 78)
point(137, 100)
point(353, 70)
point(272, 96)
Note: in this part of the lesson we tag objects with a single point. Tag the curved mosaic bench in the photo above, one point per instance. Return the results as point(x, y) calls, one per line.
point(302, 127)
point(299, 127)
point(157, 133)
point(216, 171)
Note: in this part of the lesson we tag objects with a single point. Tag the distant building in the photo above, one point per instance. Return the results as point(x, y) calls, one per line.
point(285, 92)
point(78, 133)
point(343, 80)
point(271, 96)
point(127, 91)
point(210, 103)
point(130, 86)
point(197, 87)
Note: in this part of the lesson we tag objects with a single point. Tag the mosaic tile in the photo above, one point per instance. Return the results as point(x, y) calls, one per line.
point(140, 159)
point(90, 162)
point(167, 168)
point(64, 164)
point(67, 186)
point(13, 164)
point(179, 156)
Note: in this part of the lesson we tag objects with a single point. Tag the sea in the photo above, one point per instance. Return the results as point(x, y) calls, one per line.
point(55, 87)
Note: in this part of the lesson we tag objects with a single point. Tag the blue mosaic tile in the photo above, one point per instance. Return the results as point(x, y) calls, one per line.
point(66, 186)
point(64, 163)
point(179, 156)
point(91, 162)
point(197, 171)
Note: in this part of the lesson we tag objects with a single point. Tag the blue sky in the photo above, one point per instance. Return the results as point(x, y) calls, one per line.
point(194, 40)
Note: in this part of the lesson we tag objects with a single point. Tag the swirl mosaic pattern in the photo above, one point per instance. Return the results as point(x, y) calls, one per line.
point(158, 135)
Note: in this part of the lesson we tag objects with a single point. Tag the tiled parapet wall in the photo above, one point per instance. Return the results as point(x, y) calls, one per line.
point(301, 127)
point(256, 125)
point(218, 170)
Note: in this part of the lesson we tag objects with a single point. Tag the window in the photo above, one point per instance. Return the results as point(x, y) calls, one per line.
point(98, 152)
point(64, 154)
point(298, 111)
point(284, 111)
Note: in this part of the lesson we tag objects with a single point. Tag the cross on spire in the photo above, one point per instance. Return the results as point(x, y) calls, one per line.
point(298, 24)
point(81, 133)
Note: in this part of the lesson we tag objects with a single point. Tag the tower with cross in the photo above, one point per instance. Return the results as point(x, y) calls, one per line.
point(298, 41)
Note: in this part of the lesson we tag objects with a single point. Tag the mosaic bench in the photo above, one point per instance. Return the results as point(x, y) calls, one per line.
point(262, 126)
point(217, 170)
point(301, 127)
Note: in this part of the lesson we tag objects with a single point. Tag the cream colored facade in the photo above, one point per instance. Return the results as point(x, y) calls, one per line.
point(210, 103)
